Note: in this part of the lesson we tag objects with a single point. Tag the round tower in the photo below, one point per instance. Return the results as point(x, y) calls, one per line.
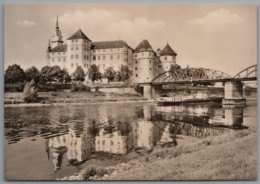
point(145, 64)
point(167, 57)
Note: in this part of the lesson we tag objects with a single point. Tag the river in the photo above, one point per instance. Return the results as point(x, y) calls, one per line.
point(44, 143)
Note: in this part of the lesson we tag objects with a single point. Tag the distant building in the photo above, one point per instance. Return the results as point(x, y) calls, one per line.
point(143, 62)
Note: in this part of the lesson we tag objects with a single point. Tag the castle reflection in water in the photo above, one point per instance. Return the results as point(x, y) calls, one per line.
point(154, 125)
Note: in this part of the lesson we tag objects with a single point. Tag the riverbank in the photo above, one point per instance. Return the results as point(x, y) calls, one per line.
point(63, 98)
point(230, 156)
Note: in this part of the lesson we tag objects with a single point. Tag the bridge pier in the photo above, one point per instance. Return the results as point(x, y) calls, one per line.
point(233, 94)
point(152, 92)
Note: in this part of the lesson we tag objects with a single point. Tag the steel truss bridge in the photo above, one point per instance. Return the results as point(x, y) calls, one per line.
point(203, 75)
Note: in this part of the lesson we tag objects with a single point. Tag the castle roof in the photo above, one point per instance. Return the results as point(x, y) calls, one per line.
point(59, 48)
point(78, 35)
point(109, 44)
point(167, 50)
point(144, 46)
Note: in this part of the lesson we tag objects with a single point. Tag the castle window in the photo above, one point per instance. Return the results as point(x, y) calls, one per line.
point(72, 48)
point(118, 56)
point(64, 59)
point(71, 57)
point(85, 41)
point(111, 143)
point(135, 61)
point(136, 75)
point(85, 48)
point(72, 65)
point(173, 57)
point(76, 48)
point(76, 40)
point(150, 61)
point(77, 56)
point(165, 57)
point(150, 69)
point(94, 58)
point(85, 57)
point(150, 53)
point(135, 55)
point(72, 41)
point(135, 68)
point(104, 57)
point(98, 58)
point(111, 56)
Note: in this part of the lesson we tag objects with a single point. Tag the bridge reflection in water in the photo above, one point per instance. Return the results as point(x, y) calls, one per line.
point(154, 126)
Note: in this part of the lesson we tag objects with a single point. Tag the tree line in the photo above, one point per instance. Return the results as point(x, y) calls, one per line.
point(48, 74)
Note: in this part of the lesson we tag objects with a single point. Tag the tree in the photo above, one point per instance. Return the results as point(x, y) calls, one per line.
point(51, 73)
point(30, 92)
point(55, 73)
point(45, 73)
point(174, 67)
point(64, 76)
point(93, 73)
point(79, 74)
point(123, 73)
point(32, 73)
point(14, 73)
point(110, 74)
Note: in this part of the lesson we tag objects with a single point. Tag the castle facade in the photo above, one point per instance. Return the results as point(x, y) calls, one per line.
point(143, 62)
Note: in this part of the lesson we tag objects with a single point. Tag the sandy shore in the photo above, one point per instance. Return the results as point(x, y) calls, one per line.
point(230, 156)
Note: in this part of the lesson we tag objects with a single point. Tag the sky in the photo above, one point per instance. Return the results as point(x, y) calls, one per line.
point(215, 36)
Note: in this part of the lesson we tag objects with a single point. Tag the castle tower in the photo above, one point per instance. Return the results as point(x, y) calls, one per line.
point(56, 39)
point(78, 51)
point(167, 57)
point(145, 65)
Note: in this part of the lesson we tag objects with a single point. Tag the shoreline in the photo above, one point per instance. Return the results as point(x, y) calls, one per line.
point(75, 103)
point(210, 153)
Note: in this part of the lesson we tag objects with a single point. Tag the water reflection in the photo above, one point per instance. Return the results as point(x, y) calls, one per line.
point(75, 134)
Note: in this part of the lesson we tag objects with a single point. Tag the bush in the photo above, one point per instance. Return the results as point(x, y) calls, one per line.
point(139, 89)
point(30, 92)
point(78, 86)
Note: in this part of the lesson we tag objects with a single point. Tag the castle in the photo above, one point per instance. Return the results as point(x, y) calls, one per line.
point(143, 62)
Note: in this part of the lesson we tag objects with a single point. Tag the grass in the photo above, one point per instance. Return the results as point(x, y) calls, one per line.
point(72, 97)
point(230, 156)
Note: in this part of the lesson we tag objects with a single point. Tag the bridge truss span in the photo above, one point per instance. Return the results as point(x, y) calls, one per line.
point(190, 74)
point(249, 72)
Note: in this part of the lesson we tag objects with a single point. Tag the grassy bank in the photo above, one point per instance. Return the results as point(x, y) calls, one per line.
point(72, 97)
point(230, 156)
